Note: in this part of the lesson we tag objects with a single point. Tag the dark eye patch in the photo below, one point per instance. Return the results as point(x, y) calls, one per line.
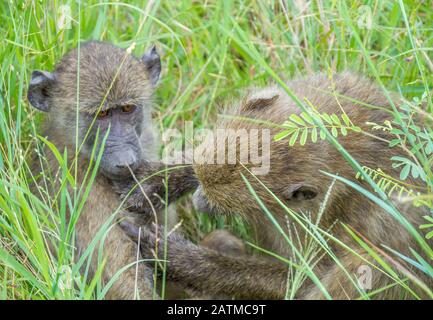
point(103, 114)
point(128, 108)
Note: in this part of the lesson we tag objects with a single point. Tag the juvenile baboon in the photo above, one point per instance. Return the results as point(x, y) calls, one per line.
point(114, 98)
point(296, 178)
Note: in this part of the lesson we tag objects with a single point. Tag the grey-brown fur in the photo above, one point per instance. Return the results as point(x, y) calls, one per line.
point(221, 241)
point(111, 77)
point(296, 179)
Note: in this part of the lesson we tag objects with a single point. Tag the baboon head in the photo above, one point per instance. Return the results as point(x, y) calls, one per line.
point(222, 185)
point(99, 91)
point(295, 177)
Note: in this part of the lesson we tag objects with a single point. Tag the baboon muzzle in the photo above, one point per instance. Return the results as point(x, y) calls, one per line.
point(119, 163)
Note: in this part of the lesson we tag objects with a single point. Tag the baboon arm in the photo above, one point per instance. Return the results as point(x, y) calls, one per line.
point(180, 182)
point(159, 185)
point(208, 271)
point(211, 272)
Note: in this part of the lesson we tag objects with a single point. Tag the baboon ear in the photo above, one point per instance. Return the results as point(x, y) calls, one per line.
point(152, 61)
point(39, 89)
point(300, 192)
point(261, 99)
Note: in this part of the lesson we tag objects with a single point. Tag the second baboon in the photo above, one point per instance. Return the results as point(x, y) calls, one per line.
point(296, 181)
point(113, 100)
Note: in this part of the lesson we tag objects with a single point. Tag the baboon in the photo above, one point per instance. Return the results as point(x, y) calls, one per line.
point(297, 180)
point(114, 101)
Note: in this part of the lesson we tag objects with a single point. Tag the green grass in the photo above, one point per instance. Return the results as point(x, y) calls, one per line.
point(210, 51)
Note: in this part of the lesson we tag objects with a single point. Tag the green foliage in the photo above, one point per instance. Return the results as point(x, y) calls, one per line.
point(429, 225)
point(392, 186)
point(417, 140)
point(413, 133)
point(303, 125)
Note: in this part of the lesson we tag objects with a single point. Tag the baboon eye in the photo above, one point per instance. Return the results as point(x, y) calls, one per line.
point(103, 113)
point(128, 108)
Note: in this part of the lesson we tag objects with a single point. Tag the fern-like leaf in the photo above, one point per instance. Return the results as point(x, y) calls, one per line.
point(301, 126)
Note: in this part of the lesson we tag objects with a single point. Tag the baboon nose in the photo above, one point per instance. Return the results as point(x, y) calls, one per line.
point(126, 165)
point(127, 160)
point(123, 166)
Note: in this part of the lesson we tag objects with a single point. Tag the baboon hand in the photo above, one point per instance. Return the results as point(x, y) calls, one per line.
point(146, 198)
point(153, 240)
point(146, 193)
point(122, 187)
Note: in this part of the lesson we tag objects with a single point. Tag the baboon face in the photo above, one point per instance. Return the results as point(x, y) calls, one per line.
point(111, 103)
